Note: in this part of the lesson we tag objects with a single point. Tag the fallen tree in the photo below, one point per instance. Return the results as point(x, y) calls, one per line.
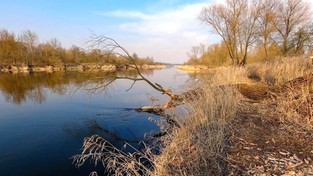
point(112, 47)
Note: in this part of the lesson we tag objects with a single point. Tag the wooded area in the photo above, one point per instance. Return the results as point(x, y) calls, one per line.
point(25, 49)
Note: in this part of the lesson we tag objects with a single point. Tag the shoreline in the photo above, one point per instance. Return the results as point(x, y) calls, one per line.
point(73, 67)
point(192, 68)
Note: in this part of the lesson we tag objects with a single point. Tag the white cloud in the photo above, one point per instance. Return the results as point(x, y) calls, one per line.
point(167, 34)
point(166, 22)
point(125, 14)
point(168, 2)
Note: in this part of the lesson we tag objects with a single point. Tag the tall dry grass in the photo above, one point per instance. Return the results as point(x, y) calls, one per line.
point(291, 85)
point(279, 71)
point(199, 146)
point(115, 161)
point(295, 105)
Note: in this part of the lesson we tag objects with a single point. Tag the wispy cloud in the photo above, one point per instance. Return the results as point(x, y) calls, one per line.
point(169, 2)
point(126, 14)
point(170, 32)
point(169, 21)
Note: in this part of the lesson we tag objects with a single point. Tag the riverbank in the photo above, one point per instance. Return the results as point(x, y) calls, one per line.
point(73, 67)
point(192, 68)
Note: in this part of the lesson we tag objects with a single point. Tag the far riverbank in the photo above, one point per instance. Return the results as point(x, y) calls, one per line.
point(73, 67)
point(192, 68)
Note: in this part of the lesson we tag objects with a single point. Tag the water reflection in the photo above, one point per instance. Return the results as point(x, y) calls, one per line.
point(21, 87)
point(92, 126)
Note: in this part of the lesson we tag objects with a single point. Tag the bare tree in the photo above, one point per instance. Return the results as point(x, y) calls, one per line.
point(30, 40)
point(111, 47)
point(194, 54)
point(54, 43)
point(235, 22)
point(293, 16)
point(301, 41)
point(55, 46)
point(9, 47)
point(266, 23)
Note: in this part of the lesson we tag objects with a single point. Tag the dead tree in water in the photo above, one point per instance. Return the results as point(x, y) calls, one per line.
point(112, 47)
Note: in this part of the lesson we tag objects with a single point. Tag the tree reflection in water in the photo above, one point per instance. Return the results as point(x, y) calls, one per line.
point(21, 87)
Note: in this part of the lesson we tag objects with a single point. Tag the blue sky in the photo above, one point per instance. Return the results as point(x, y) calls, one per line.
point(163, 29)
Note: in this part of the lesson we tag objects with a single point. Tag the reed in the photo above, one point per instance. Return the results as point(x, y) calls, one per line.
point(291, 83)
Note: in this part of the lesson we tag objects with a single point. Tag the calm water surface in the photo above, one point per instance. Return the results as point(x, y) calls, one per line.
point(44, 118)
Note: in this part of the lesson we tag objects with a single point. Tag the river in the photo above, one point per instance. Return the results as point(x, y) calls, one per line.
point(44, 117)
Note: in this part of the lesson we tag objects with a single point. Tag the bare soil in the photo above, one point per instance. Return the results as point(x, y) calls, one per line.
point(261, 144)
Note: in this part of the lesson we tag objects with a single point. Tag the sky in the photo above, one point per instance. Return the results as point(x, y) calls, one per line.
point(163, 29)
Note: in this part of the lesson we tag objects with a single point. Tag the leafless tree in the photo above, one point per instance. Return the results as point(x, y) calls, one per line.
point(30, 40)
point(266, 23)
point(301, 41)
point(110, 46)
point(293, 19)
point(9, 47)
point(194, 53)
point(235, 22)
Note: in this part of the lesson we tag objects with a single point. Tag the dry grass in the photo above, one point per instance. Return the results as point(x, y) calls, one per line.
point(115, 161)
point(292, 102)
point(199, 145)
point(273, 133)
point(290, 84)
point(279, 71)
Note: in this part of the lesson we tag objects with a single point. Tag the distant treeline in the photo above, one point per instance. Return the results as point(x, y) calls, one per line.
point(25, 49)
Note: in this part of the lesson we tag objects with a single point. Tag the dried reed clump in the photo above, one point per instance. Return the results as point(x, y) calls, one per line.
point(115, 161)
point(291, 82)
point(296, 105)
point(279, 71)
point(198, 147)
point(225, 75)
point(292, 102)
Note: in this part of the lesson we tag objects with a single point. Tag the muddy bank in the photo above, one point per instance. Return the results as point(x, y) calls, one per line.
point(72, 67)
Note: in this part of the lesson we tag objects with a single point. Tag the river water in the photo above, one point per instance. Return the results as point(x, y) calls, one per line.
point(44, 117)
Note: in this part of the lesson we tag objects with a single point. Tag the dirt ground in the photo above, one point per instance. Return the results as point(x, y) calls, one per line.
point(261, 144)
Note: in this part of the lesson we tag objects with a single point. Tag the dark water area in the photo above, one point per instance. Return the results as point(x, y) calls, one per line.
point(44, 117)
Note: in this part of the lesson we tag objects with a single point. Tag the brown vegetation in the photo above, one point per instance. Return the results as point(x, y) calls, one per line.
point(272, 133)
